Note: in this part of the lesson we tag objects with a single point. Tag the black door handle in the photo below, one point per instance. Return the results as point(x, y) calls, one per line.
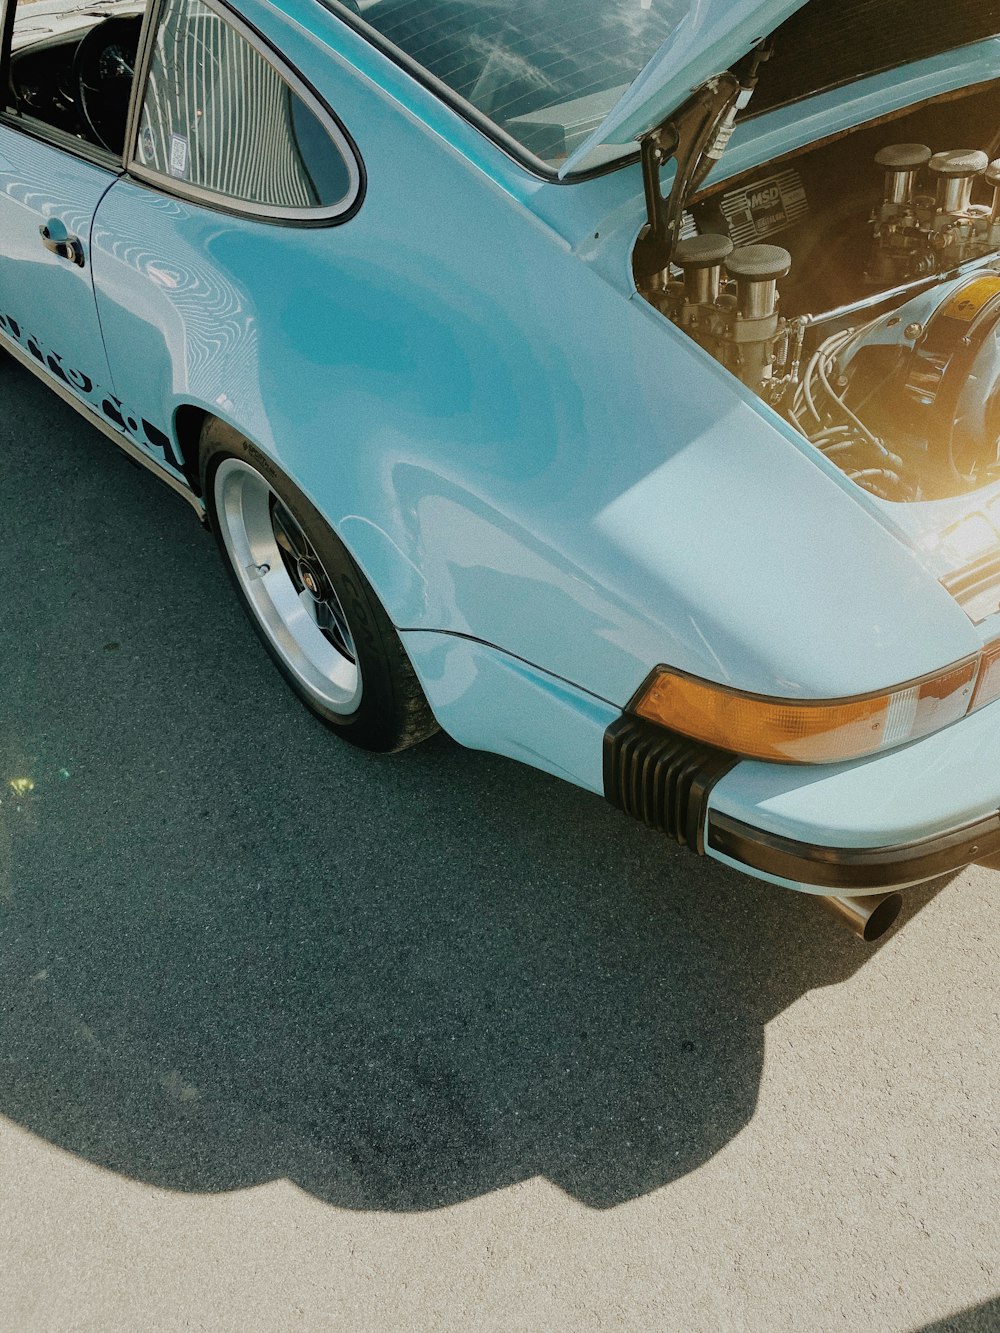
point(56, 238)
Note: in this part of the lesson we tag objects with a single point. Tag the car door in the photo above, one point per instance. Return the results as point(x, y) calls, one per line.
point(236, 172)
point(66, 73)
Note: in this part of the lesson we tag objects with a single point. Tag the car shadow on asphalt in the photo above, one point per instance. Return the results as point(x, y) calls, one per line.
point(234, 949)
point(983, 1318)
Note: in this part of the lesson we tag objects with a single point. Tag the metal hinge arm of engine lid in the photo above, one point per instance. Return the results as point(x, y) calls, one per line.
point(695, 137)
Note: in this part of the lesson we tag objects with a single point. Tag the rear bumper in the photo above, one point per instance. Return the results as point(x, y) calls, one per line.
point(894, 819)
point(847, 869)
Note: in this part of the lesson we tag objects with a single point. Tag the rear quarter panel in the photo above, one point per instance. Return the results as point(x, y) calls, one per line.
point(512, 447)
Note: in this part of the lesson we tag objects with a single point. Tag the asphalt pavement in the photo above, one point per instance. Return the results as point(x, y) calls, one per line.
point(295, 1037)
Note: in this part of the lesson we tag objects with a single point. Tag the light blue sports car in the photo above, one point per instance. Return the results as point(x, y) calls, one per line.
point(614, 384)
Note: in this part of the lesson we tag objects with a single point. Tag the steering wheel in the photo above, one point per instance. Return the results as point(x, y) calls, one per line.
point(103, 71)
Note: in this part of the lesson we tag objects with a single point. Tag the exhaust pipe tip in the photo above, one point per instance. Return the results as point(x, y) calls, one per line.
point(868, 917)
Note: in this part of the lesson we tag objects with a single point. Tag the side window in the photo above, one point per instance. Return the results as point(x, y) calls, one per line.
point(72, 68)
point(219, 117)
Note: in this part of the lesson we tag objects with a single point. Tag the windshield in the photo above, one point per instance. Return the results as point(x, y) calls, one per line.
point(546, 72)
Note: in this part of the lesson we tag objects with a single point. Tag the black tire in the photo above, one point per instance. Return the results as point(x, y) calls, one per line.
point(392, 713)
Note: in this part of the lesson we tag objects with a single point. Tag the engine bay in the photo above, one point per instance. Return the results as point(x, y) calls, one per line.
point(855, 287)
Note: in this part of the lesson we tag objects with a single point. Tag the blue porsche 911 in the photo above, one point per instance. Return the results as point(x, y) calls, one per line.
point(614, 384)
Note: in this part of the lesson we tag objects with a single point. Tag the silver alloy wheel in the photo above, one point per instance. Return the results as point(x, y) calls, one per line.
point(284, 581)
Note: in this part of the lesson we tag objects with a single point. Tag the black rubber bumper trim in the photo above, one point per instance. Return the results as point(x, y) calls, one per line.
point(853, 867)
point(661, 778)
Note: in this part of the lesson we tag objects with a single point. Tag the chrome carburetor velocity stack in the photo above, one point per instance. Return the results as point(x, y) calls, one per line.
point(735, 317)
point(921, 234)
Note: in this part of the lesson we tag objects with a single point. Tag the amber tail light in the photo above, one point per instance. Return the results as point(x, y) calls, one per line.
point(808, 731)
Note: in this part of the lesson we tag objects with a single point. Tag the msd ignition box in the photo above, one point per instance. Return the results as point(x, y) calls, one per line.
point(757, 209)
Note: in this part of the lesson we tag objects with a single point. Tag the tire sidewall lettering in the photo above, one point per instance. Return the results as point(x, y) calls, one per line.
point(360, 620)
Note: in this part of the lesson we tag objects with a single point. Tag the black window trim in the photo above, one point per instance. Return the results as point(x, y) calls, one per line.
point(319, 216)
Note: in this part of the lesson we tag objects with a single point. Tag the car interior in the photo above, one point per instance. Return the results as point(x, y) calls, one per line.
point(79, 78)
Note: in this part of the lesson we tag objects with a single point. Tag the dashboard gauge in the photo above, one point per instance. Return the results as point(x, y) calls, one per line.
point(115, 62)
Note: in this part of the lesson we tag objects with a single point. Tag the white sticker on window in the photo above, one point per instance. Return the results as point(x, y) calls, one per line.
point(178, 155)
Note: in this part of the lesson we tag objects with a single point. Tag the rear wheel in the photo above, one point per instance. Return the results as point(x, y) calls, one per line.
point(309, 602)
